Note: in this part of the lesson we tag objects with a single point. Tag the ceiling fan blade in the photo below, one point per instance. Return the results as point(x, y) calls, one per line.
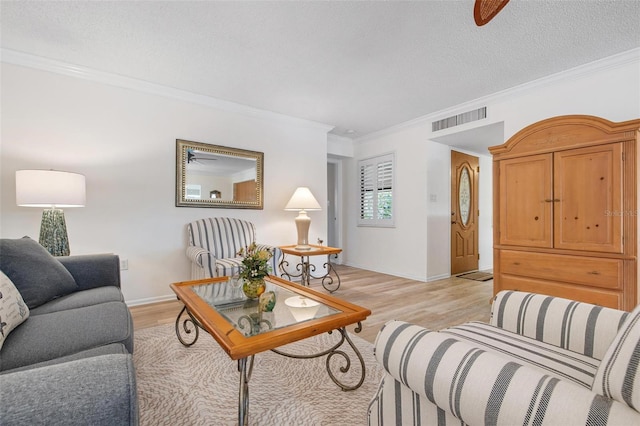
point(485, 10)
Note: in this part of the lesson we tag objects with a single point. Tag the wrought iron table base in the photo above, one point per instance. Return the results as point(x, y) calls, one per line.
point(306, 270)
point(189, 325)
point(187, 331)
point(245, 368)
point(333, 351)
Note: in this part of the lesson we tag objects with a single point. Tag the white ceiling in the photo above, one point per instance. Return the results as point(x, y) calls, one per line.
point(355, 65)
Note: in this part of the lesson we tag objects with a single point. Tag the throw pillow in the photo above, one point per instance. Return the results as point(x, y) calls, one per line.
point(618, 375)
point(37, 275)
point(13, 310)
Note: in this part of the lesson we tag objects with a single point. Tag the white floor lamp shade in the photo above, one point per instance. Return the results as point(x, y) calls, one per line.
point(303, 200)
point(51, 189)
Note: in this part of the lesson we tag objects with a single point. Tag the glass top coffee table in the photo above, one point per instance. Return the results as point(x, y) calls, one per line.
point(242, 329)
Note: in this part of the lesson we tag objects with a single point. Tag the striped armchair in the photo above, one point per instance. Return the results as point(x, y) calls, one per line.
point(214, 243)
point(540, 360)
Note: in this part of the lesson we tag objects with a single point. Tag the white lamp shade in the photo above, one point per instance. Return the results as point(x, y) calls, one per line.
point(49, 188)
point(302, 199)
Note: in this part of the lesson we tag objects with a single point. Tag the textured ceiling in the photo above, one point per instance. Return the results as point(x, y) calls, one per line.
point(358, 65)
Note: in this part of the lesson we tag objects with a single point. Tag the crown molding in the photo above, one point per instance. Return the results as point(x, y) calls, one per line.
point(45, 64)
point(614, 61)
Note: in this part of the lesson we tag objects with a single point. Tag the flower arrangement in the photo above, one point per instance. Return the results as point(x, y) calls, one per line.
point(255, 262)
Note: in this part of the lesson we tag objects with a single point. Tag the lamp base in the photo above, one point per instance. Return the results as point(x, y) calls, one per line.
point(53, 232)
point(302, 225)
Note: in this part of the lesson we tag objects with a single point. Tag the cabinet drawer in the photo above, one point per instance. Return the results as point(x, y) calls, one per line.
point(596, 296)
point(596, 272)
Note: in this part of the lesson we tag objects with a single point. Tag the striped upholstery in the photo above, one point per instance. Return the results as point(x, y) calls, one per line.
point(396, 404)
point(214, 243)
point(558, 362)
point(580, 327)
point(619, 374)
point(435, 378)
point(534, 364)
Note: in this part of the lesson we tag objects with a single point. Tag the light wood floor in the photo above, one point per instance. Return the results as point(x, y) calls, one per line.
point(435, 305)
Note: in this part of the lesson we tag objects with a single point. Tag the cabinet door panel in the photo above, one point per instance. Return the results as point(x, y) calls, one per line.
point(588, 187)
point(525, 201)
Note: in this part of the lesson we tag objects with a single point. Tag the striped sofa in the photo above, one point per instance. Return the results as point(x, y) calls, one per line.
point(213, 245)
point(540, 360)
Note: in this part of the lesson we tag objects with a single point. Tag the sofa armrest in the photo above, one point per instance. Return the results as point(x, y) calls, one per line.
point(581, 327)
point(195, 255)
point(95, 270)
point(480, 387)
point(99, 390)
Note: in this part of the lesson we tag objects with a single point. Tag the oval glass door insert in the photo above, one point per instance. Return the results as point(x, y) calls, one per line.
point(464, 196)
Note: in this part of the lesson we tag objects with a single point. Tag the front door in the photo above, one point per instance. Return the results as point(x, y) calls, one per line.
point(464, 212)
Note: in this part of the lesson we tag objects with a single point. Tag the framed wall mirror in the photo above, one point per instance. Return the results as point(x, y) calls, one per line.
point(218, 176)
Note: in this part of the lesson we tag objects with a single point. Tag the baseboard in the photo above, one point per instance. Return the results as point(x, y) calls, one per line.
point(393, 274)
point(149, 300)
point(438, 277)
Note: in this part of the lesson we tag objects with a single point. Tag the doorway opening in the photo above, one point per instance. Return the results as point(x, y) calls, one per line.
point(334, 205)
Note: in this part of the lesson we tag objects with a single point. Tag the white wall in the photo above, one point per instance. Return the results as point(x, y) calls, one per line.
point(419, 245)
point(391, 250)
point(124, 141)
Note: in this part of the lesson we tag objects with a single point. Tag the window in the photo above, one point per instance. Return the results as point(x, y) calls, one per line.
point(376, 191)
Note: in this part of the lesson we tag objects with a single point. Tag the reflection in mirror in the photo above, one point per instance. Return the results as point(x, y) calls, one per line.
point(217, 176)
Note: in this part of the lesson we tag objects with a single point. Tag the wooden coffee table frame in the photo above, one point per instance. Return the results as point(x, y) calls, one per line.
point(243, 348)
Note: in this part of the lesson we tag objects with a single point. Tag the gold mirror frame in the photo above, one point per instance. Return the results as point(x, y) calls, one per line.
point(232, 168)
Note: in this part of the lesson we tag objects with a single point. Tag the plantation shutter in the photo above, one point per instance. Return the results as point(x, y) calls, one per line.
point(376, 191)
point(367, 187)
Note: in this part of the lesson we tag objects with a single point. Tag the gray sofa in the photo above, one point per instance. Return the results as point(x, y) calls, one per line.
point(70, 361)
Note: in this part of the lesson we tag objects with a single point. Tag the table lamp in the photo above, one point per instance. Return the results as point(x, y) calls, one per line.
point(303, 200)
point(51, 189)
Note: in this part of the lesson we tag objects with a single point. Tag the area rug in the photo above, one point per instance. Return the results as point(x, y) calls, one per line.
point(198, 385)
point(477, 276)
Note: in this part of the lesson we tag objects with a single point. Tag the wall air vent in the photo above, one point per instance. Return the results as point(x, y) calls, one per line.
point(456, 120)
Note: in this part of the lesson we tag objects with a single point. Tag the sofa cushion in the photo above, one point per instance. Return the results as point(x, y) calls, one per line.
point(80, 299)
point(93, 270)
point(48, 336)
point(97, 391)
point(113, 348)
point(619, 374)
point(37, 275)
point(13, 310)
point(547, 358)
point(577, 326)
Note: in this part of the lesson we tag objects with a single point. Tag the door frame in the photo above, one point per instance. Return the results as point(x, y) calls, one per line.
point(338, 201)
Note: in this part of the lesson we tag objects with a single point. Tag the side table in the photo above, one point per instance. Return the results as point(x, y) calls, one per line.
point(306, 268)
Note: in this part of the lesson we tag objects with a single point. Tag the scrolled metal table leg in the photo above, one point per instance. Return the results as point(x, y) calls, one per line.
point(243, 394)
point(189, 325)
point(327, 280)
point(334, 351)
point(282, 266)
point(344, 369)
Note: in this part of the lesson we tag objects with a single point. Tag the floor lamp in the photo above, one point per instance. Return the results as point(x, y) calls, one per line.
point(51, 189)
point(303, 200)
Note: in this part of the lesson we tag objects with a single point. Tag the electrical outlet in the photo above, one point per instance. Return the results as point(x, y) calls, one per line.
point(124, 264)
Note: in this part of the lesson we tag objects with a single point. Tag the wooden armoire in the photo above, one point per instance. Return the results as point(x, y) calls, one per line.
point(565, 214)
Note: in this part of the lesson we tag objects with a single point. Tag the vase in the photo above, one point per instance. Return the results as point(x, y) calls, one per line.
point(253, 288)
